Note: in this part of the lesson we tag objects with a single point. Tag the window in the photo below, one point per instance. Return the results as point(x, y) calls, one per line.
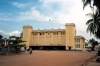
point(62, 33)
point(55, 33)
point(77, 45)
point(77, 40)
point(34, 34)
point(41, 34)
point(48, 33)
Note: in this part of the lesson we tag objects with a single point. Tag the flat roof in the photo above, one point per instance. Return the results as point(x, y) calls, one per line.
point(49, 30)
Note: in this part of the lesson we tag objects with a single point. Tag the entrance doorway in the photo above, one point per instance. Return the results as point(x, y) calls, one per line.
point(69, 47)
point(48, 47)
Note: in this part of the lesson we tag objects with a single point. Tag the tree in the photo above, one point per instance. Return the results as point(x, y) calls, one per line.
point(1, 41)
point(16, 40)
point(16, 43)
point(94, 25)
point(93, 43)
point(92, 3)
point(1, 36)
point(94, 22)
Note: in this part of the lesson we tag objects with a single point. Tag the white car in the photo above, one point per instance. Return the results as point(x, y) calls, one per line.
point(22, 49)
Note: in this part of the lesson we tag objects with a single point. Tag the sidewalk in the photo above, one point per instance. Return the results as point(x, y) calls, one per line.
point(93, 62)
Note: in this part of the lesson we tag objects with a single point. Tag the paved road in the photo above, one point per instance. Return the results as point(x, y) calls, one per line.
point(47, 58)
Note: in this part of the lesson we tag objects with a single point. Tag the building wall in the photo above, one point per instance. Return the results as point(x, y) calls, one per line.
point(79, 43)
point(54, 37)
point(27, 35)
point(50, 37)
point(70, 34)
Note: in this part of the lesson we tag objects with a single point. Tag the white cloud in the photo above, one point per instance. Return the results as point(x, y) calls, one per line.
point(70, 11)
point(62, 4)
point(13, 33)
point(1, 31)
point(19, 5)
point(33, 14)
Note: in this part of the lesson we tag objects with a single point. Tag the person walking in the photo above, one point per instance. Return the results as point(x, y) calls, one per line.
point(30, 50)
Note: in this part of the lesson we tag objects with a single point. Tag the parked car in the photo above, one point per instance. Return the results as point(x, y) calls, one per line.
point(22, 49)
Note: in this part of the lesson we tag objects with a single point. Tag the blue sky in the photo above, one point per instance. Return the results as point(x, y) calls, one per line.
point(14, 14)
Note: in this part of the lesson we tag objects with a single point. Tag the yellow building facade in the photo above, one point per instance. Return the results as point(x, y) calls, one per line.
point(53, 39)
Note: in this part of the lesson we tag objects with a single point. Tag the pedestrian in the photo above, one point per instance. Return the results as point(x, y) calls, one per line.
point(30, 50)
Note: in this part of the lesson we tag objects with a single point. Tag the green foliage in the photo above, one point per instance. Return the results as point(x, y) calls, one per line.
point(94, 25)
point(86, 2)
point(16, 40)
point(92, 3)
point(14, 43)
point(1, 41)
point(1, 36)
point(17, 45)
point(93, 43)
point(94, 22)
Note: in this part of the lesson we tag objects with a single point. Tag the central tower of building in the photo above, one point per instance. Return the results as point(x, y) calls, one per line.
point(27, 34)
point(70, 34)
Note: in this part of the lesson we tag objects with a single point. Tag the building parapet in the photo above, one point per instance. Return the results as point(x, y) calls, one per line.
point(81, 37)
point(70, 24)
point(27, 26)
point(52, 30)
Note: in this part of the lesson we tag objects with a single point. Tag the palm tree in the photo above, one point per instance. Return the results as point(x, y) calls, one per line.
point(94, 24)
point(93, 43)
point(86, 2)
point(97, 34)
point(92, 3)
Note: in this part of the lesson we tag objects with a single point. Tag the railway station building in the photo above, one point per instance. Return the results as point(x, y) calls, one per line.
point(53, 39)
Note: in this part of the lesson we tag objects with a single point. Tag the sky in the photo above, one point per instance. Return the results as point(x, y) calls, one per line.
point(42, 14)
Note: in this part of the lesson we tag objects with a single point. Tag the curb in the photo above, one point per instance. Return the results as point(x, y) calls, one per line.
point(88, 61)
